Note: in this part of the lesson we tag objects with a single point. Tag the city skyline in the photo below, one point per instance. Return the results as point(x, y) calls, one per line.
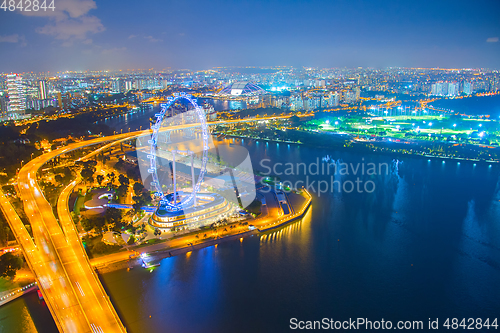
point(88, 35)
point(249, 166)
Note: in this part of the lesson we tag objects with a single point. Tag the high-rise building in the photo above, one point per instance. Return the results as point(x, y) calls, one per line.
point(116, 86)
point(350, 97)
point(3, 106)
point(59, 100)
point(333, 99)
point(128, 85)
point(42, 89)
point(468, 88)
point(39, 104)
point(439, 89)
point(17, 95)
point(453, 89)
point(434, 89)
point(320, 83)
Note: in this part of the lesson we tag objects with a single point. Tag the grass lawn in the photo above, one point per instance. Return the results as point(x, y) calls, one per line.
point(79, 204)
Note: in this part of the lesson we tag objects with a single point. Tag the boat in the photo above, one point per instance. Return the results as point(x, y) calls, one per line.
point(147, 265)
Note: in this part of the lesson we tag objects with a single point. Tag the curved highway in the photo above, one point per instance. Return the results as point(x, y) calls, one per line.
point(71, 288)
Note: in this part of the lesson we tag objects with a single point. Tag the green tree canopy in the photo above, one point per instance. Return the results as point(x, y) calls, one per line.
point(9, 265)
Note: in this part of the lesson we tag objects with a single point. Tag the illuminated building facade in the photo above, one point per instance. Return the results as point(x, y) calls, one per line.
point(42, 90)
point(211, 207)
point(17, 96)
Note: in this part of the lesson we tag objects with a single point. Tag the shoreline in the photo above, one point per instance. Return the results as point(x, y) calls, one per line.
point(172, 252)
point(395, 154)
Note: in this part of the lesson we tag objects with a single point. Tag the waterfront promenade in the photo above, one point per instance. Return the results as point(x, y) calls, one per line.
point(272, 217)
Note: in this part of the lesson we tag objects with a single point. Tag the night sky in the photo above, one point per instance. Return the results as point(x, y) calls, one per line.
point(195, 34)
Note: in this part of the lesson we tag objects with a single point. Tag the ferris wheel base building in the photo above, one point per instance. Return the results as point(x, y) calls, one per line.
point(212, 208)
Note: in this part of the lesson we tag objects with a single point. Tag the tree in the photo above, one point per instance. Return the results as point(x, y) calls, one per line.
point(4, 229)
point(131, 240)
point(113, 216)
point(86, 224)
point(137, 205)
point(67, 173)
point(96, 223)
point(141, 199)
point(87, 174)
point(9, 265)
point(99, 179)
point(146, 197)
point(111, 177)
point(123, 180)
point(122, 190)
point(99, 223)
point(58, 178)
point(138, 188)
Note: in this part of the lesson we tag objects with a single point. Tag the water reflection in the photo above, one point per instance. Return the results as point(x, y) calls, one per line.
point(425, 243)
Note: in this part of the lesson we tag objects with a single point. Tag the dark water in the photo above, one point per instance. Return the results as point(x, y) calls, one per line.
point(26, 314)
point(425, 244)
point(140, 119)
point(486, 105)
point(132, 121)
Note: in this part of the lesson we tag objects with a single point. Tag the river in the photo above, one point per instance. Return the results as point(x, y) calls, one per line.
point(424, 244)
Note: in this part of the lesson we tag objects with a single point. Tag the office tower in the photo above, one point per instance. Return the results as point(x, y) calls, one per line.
point(42, 89)
point(17, 95)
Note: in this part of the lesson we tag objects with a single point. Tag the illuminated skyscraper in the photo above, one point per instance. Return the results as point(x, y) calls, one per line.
point(128, 85)
point(439, 89)
point(42, 89)
point(468, 88)
point(117, 86)
point(17, 95)
point(3, 106)
point(453, 89)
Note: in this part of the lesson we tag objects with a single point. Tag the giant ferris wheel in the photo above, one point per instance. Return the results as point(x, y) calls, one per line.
point(173, 202)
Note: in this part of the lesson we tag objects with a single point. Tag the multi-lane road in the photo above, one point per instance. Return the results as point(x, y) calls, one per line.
point(78, 300)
